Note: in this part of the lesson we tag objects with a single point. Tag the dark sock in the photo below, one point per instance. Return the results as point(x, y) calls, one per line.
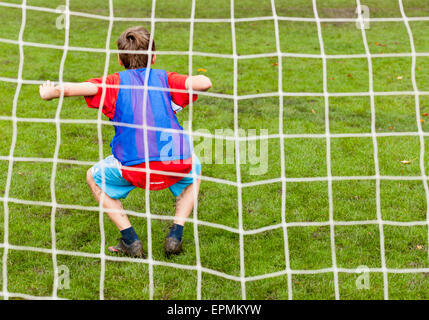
point(176, 231)
point(129, 235)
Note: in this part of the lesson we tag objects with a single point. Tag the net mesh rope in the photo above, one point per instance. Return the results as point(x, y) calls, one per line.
point(235, 97)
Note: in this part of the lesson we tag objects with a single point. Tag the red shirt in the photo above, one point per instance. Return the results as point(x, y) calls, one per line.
point(181, 99)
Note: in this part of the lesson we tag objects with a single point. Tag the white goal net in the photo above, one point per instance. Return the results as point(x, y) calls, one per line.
point(194, 222)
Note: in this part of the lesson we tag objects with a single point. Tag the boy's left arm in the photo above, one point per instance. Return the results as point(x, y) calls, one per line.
point(49, 90)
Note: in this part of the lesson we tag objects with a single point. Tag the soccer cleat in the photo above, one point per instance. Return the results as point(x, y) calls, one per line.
point(172, 246)
point(134, 250)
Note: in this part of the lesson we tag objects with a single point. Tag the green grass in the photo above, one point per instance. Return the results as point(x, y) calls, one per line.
point(305, 157)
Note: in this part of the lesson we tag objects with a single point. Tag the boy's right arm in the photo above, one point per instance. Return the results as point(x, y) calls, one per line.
point(49, 90)
point(198, 83)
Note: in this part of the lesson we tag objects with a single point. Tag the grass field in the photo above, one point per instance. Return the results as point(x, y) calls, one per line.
point(401, 201)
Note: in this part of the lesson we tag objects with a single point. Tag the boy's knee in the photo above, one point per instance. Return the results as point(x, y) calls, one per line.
point(196, 183)
point(89, 177)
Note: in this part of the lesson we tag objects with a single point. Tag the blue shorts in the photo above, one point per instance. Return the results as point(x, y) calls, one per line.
point(116, 187)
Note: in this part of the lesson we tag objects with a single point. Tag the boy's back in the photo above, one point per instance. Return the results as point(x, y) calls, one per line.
point(132, 104)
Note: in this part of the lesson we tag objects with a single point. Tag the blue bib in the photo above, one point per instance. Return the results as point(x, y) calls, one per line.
point(128, 145)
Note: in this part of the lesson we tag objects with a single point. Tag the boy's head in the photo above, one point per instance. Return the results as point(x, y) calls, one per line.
point(134, 39)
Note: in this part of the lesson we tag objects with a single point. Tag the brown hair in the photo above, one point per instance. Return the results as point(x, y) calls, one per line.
point(134, 39)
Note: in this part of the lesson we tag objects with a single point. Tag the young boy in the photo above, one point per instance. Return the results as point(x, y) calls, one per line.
point(167, 150)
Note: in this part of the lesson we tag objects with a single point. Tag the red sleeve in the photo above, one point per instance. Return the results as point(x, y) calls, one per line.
point(178, 81)
point(110, 98)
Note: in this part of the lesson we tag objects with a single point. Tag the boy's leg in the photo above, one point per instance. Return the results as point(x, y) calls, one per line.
point(115, 187)
point(185, 191)
point(185, 203)
point(118, 217)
